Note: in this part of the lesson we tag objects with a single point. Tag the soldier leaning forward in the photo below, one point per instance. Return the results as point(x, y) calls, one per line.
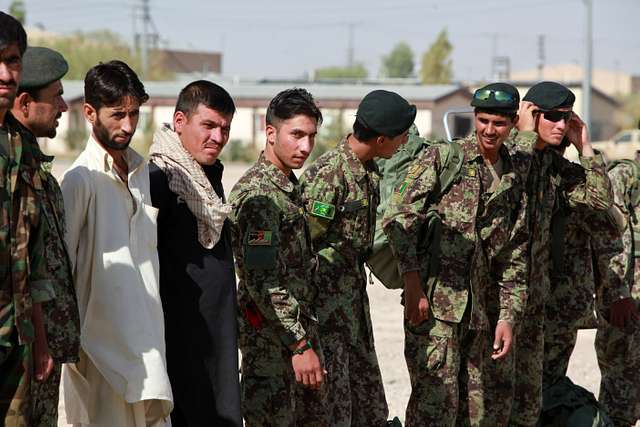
point(618, 347)
point(341, 195)
point(481, 266)
point(546, 113)
point(281, 359)
point(24, 280)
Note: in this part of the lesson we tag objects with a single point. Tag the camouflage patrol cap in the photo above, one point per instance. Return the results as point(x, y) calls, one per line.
point(41, 66)
point(497, 96)
point(386, 113)
point(550, 95)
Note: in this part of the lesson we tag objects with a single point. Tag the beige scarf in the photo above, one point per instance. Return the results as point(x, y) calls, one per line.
point(188, 180)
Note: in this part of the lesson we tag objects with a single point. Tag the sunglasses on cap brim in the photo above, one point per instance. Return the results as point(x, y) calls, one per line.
point(498, 95)
point(556, 115)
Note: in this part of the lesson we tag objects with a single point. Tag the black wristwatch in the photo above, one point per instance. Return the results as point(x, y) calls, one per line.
point(304, 348)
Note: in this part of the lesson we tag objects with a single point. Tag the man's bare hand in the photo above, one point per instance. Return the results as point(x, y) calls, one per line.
point(623, 312)
point(578, 135)
point(526, 117)
point(42, 360)
point(416, 305)
point(308, 369)
point(502, 340)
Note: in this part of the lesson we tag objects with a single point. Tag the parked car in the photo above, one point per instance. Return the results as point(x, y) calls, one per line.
point(623, 145)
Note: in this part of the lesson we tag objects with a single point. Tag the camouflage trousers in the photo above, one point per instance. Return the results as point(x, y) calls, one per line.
point(558, 346)
point(445, 368)
point(45, 399)
point(499, 385)
point(529, 359)
point(355, 393)
point(271, 397)
point(619, 359)
point(16, 369)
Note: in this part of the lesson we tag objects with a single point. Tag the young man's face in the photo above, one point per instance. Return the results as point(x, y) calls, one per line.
point(203, 133)
point(492, 130)
point(292, 140)
point(114, 126)
point(45, 110)
point(10, 72)
point(391, 144)
point(552, 125)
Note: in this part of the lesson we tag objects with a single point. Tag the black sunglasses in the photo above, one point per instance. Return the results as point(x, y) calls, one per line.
point(556, 115)
point(498, 95)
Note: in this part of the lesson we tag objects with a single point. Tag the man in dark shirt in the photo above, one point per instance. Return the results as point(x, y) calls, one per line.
point(197, 278)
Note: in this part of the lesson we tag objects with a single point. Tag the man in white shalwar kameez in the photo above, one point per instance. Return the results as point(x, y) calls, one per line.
point(121, 379)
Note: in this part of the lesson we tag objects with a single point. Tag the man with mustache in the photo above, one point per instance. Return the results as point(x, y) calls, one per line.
point(341, 193)
point(281, 354)
point(197, 279)
point(121, 378)
point(24, 280)
point(38, 107)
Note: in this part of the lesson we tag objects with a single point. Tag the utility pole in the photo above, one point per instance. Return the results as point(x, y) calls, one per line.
point(588, 64)
point(541, 56)
point(350, 51)
point(144, 54)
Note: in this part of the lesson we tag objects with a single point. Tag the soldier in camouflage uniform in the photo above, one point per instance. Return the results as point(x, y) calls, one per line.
point(341, 195)
point(545, 119)
point(618, 348)
point(24, 282)
point(450, 330)
point(37, 107)
point(281, 359)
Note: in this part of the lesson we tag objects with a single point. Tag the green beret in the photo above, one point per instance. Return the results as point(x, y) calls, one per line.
point(550, 95)
point(385, 113)
point(497, 96)
point(41, 66)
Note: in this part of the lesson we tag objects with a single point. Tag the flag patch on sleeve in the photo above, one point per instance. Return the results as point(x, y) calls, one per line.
point(259, 238)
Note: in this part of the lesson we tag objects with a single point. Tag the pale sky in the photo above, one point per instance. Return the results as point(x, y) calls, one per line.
point(287, 38)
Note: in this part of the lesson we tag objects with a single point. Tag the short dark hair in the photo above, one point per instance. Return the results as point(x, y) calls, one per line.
point(290, 103)
point(34, 92)
point(511, 114)
point(107, 84)
point(363, 133)
point(11, 31)
point(207, 93)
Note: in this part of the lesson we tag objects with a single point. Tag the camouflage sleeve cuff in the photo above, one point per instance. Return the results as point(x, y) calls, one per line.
point(42, 291)
point(595, 162)
point(527, 139)
point(506, 316)
point(620, 292)
point(293, 335)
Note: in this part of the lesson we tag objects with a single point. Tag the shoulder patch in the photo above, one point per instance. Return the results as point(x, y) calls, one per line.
point(259, 238)
point(323, 210)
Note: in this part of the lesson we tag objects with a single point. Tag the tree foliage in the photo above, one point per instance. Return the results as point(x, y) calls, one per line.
point(18, 10)
point(628, 117)
point(84, 50)
point(399, 63)
point(437, 66)
point(358, 71)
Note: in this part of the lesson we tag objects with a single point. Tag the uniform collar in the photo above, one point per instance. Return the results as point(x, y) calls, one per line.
point(285, 183)
point(469, 146)
point(357, 168)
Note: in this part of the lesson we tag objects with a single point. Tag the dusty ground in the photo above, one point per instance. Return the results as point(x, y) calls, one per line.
point(387, 320)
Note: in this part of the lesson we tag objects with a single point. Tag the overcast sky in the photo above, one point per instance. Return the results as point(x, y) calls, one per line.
point(287, 38)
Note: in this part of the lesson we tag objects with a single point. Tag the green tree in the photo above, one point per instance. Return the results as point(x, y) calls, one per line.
point(628, 117)
point(399, 63)
point(436, 62)
point(358, 71)
point(330, 133)
point(84, 50)
point(18, 10)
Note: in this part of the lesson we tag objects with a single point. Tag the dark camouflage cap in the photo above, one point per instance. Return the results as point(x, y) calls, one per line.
point(550, 95)
point(386, 113)
point(497, 96)
point(41, 66)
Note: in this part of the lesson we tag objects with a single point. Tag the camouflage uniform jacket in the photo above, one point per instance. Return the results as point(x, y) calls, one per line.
point(273, 253)
point(23, 276)
point(62, 320)
point(341, 196)
point(594, 262)
point(484, 235)
point(552, 177)
point(622, 178)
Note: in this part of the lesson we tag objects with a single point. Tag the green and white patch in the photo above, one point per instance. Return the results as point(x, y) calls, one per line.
point(323, 210)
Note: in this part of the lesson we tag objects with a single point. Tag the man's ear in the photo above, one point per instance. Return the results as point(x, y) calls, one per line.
point(515, 120)
point(22, 102)
point(271, 133)
point(90, 113)
point(180, 119)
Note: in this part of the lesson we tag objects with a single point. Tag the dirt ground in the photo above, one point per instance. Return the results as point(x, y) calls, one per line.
point(386, 314)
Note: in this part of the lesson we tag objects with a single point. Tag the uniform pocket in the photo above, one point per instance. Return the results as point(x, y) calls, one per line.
point(436, 352)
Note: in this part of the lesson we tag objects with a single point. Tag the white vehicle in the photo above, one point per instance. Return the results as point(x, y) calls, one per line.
point(623, 145)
